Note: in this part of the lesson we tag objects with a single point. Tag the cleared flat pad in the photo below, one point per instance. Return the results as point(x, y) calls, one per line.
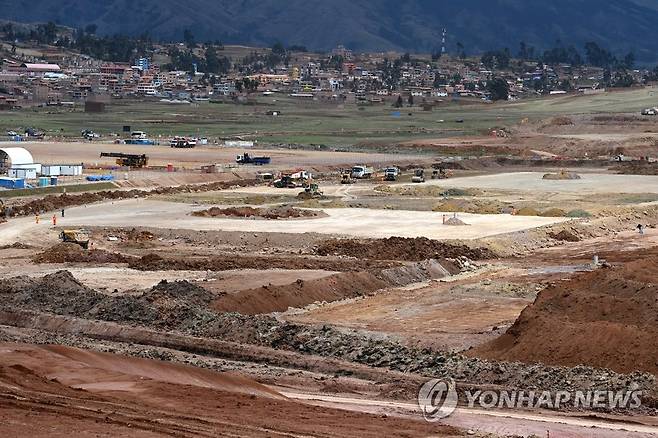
point(532, 181)
point(352, 222)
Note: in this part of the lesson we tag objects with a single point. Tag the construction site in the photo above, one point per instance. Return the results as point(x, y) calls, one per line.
point(214, 290)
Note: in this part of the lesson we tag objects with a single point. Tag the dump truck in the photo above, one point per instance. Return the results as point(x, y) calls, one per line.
point(419, 176)
point(136, 161)
point(362, 172)
point(78, 237)
point(391, 173)
point(248, 159)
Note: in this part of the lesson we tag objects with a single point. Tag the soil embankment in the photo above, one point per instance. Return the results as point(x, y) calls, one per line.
point(276, 213)
point(606, 318)
point(400, 248)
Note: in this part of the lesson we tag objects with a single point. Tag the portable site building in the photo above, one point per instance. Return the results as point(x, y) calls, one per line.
point(61, 169)
point(22, 173)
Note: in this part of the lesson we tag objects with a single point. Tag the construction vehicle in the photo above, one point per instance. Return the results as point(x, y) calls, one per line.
point(248, 159)
point(301, 178)
point(391, 173)
point(346, 178)
point(128, 160)
point(313, 191)
point(362, 172)
point(89, 135)
point(439, 173)
point(78, 237)
point(286, 182)
point(139, 138)
point(183, 142)
point(419, 176)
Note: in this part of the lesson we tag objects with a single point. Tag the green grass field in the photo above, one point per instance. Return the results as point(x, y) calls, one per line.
point(319, 122)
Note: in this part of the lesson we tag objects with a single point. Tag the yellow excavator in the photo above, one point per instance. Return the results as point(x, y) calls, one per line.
point(78, 237)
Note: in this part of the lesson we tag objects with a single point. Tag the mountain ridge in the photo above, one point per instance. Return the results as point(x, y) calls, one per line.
point(369, 25)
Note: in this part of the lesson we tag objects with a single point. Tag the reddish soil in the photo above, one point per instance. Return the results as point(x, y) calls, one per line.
point(52, 391)
point(72, 253)
point(259, 213)
point(154, 262)
point(270, 298)
point(565, 236)
point(400, 248)
point(57, 202)
point(606, 318)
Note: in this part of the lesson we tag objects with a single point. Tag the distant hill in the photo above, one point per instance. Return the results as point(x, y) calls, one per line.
point(366, 25)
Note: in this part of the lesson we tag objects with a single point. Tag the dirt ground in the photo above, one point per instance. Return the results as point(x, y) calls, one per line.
point(51, 391)
point(342, 222)
point(332, 312)
point(89, 153)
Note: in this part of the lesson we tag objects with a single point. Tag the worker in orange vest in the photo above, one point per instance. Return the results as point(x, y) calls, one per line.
point(54, 220)
point(36, 218)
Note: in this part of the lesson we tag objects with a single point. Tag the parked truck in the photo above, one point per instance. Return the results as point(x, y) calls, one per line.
point(391, 173)
point(362, 172)
point(128, 160)
point(248, 159)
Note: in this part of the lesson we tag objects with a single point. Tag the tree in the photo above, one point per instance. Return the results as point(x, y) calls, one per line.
point(498, 89)
point(460, 50)
point(599, 57)
point(91, 29)
point(398, 103)
point(278, 49)
point(410, 100)
point(188, 38)
point(629, 61)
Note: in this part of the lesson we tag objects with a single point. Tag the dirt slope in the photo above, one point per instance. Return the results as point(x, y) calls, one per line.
point(52, 391)
point(607, 318)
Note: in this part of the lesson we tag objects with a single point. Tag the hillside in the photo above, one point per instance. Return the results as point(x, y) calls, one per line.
point(369, 25)
point(605, 318)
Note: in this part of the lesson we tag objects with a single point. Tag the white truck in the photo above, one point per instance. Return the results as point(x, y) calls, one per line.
point(362, 172)
point(391, 173)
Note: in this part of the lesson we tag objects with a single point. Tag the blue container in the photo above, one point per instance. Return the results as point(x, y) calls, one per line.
point(12, 183)
point(44, 181)
point(53, 180)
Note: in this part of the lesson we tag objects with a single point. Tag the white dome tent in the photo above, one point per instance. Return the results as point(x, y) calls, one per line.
point(14, 157)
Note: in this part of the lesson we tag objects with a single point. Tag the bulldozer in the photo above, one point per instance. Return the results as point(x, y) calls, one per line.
point(78, 237)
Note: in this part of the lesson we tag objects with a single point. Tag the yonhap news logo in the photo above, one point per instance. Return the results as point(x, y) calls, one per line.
point(438, 399)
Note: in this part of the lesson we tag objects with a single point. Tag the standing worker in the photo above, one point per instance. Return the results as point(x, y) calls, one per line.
point(54, 220)
point(62, 212)
point(36, 218)
point(640, 228)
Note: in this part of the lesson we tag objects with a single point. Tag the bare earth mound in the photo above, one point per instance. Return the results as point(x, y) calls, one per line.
point(72, 253)
point(400, 248)
point(279, 298)
point(259, 213)
point(606, 318)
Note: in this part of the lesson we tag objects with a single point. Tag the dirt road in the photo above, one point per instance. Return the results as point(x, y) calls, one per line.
point(497, 422)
